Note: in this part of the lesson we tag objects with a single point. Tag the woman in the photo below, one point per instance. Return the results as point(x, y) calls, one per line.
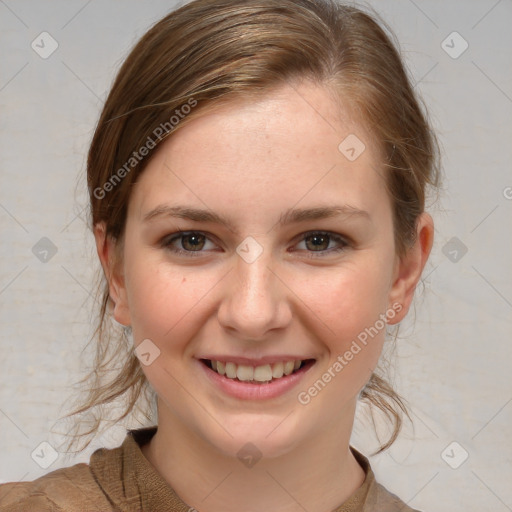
point(257, 182)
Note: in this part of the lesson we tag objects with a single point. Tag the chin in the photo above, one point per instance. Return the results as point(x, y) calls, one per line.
point(255, 437)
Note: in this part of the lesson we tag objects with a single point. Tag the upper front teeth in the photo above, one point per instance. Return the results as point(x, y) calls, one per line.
point(262, 373)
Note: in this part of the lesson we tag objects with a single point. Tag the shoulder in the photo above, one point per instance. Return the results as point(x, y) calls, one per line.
point(372, 496)
point(70, 489)
point(110, 482)
point(379, 499)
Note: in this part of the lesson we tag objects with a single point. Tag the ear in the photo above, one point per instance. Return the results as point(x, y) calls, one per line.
point(408, 269)
point(106, 248)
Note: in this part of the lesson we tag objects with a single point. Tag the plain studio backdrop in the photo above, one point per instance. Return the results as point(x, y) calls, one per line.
point(453, 361)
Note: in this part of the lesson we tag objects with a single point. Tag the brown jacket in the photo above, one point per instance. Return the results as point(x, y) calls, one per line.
point(123, 480)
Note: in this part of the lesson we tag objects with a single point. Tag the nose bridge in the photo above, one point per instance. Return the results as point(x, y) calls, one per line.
point(253, 302)
point(256, 283)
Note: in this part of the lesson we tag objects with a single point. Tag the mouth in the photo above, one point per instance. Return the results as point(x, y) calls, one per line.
point(258, 375)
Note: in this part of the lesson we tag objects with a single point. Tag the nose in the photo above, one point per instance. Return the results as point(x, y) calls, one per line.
point(254, 300)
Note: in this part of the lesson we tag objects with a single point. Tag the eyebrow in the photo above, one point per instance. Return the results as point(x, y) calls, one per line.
point(291, 216)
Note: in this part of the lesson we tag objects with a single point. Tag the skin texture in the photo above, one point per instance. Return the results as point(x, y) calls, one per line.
point(250, 162)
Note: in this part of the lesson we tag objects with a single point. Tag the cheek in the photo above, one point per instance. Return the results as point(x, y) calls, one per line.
point(167, 304)
point(349, 306)
point(160, 298)
point(349, 301)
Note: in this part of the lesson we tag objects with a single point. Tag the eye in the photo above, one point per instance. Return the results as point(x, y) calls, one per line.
point(317, 243)
point(193, 242)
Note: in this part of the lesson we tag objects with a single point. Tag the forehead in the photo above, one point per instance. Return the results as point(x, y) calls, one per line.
point(295, 144)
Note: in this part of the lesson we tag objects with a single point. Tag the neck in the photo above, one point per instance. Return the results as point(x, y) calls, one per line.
point(319, 475)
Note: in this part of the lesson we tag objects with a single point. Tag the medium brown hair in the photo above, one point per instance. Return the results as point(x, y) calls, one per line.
point(210, 52)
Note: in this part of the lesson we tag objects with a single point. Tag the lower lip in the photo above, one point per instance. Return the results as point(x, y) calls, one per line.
point(249, 391)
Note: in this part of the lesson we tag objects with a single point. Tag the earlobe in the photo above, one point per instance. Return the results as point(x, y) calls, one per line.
point(106, 249)
point(410, 267)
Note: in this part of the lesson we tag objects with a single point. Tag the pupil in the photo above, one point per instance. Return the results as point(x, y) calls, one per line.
point(195, 244)
point(317, 240)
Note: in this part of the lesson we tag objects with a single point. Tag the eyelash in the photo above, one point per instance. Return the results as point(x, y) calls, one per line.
point(168, 240)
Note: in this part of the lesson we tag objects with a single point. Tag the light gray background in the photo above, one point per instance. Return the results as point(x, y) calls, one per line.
point(454, 363)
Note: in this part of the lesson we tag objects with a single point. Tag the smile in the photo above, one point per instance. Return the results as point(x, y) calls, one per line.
point(246, 373)
point(266, 373)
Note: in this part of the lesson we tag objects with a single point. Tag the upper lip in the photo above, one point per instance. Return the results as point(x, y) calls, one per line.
point(255, 362)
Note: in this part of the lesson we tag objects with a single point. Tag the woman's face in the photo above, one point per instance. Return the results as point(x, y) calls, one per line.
point(265, 291)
